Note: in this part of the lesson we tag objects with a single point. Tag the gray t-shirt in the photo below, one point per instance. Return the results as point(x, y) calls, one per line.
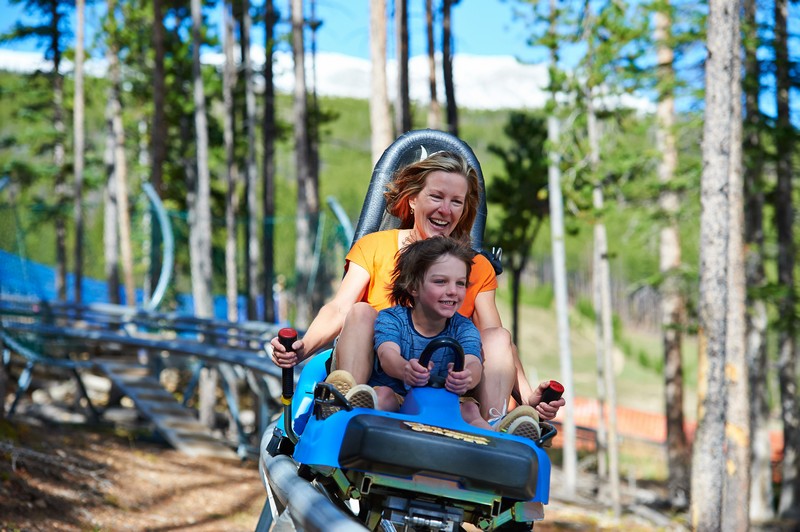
point(394, 324)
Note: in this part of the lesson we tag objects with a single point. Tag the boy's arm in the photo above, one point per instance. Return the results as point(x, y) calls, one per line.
point(394, 365)
point(460, 382)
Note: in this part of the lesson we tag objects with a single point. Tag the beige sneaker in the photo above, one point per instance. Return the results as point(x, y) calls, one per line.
point(342, 381)
point(362, 396)
point(523, 421)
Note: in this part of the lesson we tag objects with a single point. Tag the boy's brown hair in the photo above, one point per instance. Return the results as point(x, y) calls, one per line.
point(415, 259)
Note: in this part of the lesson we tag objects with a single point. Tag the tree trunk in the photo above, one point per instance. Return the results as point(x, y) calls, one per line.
point(402, 111)
point(673, 307)
point(569, 460)
point(232, 170)
point(120, 165)
point(736, 495)
point(761, 493)
point(270, 134)
point(708, 460)
point(434, 110)
point(200, 219)
point(110, 214)
point(447, 69)
point(251, 177)
point(78, 143)
point(603, 302)
point(304, 247)
point(380, 117)
point(789, 505)
point(59, 160)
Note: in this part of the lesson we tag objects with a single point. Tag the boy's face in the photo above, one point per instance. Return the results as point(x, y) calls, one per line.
point(443, 288)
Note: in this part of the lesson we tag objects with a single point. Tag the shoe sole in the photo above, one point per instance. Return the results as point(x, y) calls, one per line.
point(362, 396)
point(343, 382)
point(524, 427)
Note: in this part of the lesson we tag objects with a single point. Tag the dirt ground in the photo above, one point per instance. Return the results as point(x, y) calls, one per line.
point(75, 478)
point(79, 477)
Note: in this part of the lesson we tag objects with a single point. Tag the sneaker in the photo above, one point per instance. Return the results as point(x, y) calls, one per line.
point(523, 421)
point(495, 415)
point(362, 396)
point(343, 382)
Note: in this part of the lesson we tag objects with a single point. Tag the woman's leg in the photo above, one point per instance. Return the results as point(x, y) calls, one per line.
point(472, 415)
point(499, 372)
point(354, 349)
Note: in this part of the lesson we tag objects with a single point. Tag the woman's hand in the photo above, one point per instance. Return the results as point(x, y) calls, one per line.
point(414, 374)
point(458, 382)
point(287, 359)
point(547, 411)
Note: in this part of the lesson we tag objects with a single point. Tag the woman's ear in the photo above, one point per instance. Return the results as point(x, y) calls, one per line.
point(412, 202)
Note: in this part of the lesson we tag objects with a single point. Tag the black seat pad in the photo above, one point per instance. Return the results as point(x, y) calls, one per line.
point(391, 446)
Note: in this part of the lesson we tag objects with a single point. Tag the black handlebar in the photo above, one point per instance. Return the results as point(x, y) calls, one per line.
point(287, 336)
point(444, 341)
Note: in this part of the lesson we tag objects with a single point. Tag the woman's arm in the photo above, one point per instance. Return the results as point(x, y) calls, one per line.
point(328, 323)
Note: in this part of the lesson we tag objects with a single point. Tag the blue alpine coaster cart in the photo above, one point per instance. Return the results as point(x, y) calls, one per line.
point(422, 468)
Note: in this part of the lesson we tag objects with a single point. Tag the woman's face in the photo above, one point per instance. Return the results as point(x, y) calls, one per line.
point(439, 205)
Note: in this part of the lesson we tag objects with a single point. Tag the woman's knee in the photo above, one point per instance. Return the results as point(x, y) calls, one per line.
point(497, 347)
point(361, 315)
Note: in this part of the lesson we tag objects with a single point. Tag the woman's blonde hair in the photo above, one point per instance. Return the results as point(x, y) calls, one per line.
point(410, 180)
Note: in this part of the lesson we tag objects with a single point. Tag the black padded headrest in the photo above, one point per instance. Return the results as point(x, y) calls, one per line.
point(402, 152)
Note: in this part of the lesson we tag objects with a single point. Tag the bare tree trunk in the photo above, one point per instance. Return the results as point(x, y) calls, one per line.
point(304, 247)
point(447, 69)
point(761, 493)
point(673, 306)
point(59, 161)
point(736, 495)
point(380, 117)
point(251, 177)
point(603, 314)
point(789, 505)
point(402, 111)
point(434, 110)
point(569, 460)
point(270, 134)
point(708, 460)
point(120, 166)
point(200, 219)
point(110, 214)
point(232, 170)
point(78, 140)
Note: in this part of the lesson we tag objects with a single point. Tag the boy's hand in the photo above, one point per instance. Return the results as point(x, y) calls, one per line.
point(287, 359)
point(458, 382)
point(547, 411)
point(415, 374)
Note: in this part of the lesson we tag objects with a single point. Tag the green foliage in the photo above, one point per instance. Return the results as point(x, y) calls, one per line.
point(522, 192)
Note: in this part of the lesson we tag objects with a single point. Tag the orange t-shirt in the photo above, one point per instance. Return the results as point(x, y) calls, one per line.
point(376, 252)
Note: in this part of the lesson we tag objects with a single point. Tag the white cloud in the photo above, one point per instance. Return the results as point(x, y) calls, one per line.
point(482, 82)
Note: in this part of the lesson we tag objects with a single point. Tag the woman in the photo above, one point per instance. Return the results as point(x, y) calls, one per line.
point(438, 195)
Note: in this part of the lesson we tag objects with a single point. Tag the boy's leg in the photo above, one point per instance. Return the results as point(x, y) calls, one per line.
point(499, 372)
point(387, 399)
point(354, 349)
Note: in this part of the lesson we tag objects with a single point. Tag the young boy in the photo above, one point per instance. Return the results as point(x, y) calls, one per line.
point(428, 286)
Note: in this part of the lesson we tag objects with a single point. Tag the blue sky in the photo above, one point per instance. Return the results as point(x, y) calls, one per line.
point(481, 27)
